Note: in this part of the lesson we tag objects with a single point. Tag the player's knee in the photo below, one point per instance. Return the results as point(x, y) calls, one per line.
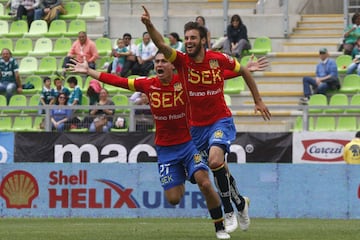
point(173, 200)
point(205, 185)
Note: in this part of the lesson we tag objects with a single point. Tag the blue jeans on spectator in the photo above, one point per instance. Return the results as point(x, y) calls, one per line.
point(105, 128)
point(351, 68)
point(9, 88)
point(308, 82)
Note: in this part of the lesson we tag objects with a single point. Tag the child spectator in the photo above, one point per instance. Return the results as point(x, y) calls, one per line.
point(46, 96)
point(119, 59)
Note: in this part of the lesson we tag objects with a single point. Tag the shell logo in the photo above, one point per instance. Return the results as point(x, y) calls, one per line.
point(19, 189)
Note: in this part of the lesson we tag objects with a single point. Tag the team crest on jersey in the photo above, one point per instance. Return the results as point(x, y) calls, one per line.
point(178, 87)
point(218, 134)
point(197, 158)
point(214, 64)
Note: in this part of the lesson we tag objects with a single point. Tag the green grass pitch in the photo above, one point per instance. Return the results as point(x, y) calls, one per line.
point(172, 229)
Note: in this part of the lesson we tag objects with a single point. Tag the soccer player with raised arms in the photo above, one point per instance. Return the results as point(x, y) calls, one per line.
point(212, 128)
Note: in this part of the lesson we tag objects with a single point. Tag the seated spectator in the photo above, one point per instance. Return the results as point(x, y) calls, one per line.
point(176, 43)
point(120, 57)
point(76, 94)
point(352, 33)
point(83, 48)
point(143, 117)
point(59, 88)
point(237, 37)
point(59, 114)
point(13, 5)
point(356, 59)
point(326, 77)
point(27, 8)
point(201, 21)
point(130, 55)
point(146, 51)
point(49, 10)
point(93, 91)
point(9, 79)
point(103, 118)
point(46, 97)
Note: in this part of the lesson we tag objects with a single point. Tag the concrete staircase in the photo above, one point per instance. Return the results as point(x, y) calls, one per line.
point(281, 85)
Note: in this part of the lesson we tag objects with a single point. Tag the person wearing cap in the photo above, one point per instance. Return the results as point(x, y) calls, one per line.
point(326, 77)
point(351, 153)
point(93, 91)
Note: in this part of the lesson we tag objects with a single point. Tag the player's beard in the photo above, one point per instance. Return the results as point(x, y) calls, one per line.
point(195, 52)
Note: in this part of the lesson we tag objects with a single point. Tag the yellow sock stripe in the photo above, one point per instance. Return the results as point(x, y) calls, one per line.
point(218, 220)
point(221, 166)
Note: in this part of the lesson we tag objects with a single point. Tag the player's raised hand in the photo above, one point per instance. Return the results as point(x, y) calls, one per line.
point(145, 17)
point(78, 67)
point(259, 65)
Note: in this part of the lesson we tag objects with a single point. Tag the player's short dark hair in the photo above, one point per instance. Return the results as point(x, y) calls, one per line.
point(357, 134)
point(195, 26)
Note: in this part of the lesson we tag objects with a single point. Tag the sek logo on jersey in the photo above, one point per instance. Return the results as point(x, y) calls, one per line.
point(19, 189)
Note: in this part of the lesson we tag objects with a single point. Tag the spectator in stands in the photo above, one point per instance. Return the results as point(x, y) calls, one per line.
point(27, 7)
point(351, 153)
point(93, 91)
point(120, 57)
point(76, 94)
point(49, 10)
point(46, 96)
point(176, 42)
point(237, 37)
point(326, 77)
point(201, 21)
point(13, 5)
point(83, 48)
point(352, 33)
point(9, 79)
point(130, 56)
point(103, 118)
point(356, 59)
point(59, 88)
point(145, 54)
point(60, 115)
point(143, 117)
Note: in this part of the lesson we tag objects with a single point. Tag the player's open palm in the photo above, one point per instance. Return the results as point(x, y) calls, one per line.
point(78, 67)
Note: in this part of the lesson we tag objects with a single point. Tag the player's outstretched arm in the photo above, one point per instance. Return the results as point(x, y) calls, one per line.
point(156, 37)
point(77, 67)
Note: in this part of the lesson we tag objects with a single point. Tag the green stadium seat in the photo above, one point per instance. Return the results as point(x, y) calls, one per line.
point(4, 13)
point(33, 102)
point(234, 85)
point(104, 46)
point(28, 65)
point(36, 124)
point(6, 43)
point(350, 84)
point(4, 27)
point(227, 99)
point(121, 100)
point(355, 101)
point(61, 47)
point(43, 46)
point(5, 123)
point(3, 103)
point(340, 100)
point(75, 26)
point(100, 62)
point(56, 29)
point(262, 46)
point(34, 80)
point(22, 124)
point(73, 9)
point(47, 66)
point(317, 100)
point(22, 47)
point(90, 10)
point(342, 63)
point(325, 124)
point(37, 29)
point(16, 100)
point(346, 124)
point(17, 29)
point(245, 59)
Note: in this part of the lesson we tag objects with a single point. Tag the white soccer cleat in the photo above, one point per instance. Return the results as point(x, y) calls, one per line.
point(244, 219)
point(221, 234)
point(230, 222)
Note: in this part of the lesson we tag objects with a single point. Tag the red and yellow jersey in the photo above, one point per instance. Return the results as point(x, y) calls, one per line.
point(204, 84)
point(167, 104)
